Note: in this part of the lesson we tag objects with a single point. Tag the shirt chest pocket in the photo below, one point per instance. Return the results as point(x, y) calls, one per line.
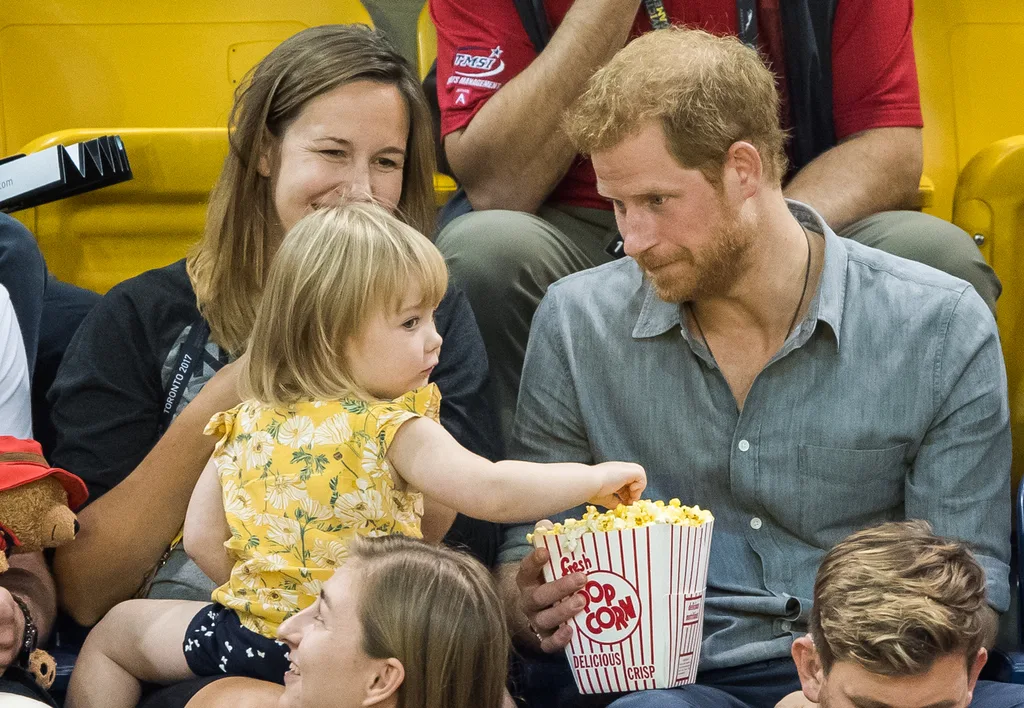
point(839, 490)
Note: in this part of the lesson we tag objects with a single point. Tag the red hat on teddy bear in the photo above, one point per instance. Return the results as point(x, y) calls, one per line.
point(22, 461)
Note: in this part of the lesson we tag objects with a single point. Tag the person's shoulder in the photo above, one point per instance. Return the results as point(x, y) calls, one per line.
point(152, 297)
point(610, 294)
point(158, 284)
point(607, 283)
point(902, 287)
point(148, 310)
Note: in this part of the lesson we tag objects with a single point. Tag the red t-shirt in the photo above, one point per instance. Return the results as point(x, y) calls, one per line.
point(482, 45)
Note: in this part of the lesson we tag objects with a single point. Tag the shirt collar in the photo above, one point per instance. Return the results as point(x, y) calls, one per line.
point(657, 316)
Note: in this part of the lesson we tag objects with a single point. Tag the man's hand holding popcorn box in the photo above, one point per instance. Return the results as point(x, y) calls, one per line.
point(642, 605)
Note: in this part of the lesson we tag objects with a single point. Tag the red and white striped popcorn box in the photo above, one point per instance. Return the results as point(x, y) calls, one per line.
point(643, 622)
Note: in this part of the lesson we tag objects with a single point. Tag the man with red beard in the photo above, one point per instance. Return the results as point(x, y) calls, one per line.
point(799, 385)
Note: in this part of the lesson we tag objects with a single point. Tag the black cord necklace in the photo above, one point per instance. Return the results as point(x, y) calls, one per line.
point(803, 294)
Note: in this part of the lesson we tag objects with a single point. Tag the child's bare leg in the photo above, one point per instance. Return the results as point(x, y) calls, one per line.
point(138, 640)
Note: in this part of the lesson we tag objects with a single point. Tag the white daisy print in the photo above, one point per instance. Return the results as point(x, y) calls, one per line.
point(237, 501)
point(268, 562)
point(283, 531)
point(296, 432)
point(333, 431)
point(360, 507)
point(283, 489)
point(260, 448)
point(314, 510)
point(328, 554)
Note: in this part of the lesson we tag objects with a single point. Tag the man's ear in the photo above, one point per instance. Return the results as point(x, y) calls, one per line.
point(384, 682)
point(979, 663)
point(808, 666)
point(744, 161)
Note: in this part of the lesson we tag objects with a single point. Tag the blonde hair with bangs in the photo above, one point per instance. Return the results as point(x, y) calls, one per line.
point(707, 92)
point(335, 269)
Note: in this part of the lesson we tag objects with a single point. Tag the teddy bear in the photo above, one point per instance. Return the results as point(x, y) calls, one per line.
point(36, 503)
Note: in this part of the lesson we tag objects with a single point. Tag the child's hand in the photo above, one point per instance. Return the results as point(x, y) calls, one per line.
point(621, 483)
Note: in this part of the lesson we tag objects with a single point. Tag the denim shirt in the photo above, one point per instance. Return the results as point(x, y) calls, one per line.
point(888, 401)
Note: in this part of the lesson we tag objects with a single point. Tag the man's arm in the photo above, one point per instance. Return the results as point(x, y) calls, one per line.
point(513, 153)
point(869, 172)
point(960, 482)
point(29, 579)
point(876, 113)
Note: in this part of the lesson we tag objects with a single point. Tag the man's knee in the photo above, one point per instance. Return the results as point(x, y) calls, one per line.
point(491, 249)
point(929, 240)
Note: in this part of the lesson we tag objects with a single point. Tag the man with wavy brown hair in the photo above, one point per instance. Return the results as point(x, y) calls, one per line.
point(899, 619)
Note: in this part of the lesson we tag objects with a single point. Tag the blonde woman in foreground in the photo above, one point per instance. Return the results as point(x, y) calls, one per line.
point(338, 438)
point(404, 624)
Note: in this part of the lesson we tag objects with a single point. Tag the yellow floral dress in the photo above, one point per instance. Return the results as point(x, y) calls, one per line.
point(297, 483)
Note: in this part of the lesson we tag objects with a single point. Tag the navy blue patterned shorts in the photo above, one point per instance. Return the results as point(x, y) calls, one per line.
point(217, 644)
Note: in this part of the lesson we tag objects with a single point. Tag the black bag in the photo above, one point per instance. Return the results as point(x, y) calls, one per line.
point(535, 22)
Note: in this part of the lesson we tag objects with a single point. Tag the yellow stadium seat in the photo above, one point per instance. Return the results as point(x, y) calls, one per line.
point(426, 41)
point(100, 238)
point(122, 65)
point(969, 54)
point(426, 52)
point(989, 205)
point(137, 63)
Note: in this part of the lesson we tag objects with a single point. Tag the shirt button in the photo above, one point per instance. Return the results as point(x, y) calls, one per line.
point(744, 446)
point(755, 523)
point(786, 625)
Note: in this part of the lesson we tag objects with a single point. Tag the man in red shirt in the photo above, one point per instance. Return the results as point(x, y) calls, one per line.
point(538, 215)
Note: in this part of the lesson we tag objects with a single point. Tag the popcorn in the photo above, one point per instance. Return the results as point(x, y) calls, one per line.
point(637, 515)
point(643, 602)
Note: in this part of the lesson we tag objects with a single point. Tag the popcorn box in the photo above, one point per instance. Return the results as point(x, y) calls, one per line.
point(642, 625)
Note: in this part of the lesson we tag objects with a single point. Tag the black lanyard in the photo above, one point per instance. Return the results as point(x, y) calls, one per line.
point(746, 12)
point(191, 355)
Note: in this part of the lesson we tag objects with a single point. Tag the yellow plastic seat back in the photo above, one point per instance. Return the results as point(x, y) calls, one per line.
point(100, 238)
point(969, 55)
point(989, 204)
point(426, 53)
point(138, 69)
point(137, 63)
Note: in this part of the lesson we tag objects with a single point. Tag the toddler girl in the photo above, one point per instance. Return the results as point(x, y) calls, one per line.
point(338, 438)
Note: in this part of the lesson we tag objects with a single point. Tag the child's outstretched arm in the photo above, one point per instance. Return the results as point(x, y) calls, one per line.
point(206, 527)
point(426, 456)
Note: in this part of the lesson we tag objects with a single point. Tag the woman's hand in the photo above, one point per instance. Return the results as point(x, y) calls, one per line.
point(621, 483)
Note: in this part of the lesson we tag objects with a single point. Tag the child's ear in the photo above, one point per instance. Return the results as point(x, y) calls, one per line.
point(384, 682)
point(808, 665)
